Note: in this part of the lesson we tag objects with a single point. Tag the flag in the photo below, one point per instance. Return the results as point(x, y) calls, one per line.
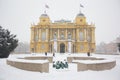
point(46, 6)
point(81, 6)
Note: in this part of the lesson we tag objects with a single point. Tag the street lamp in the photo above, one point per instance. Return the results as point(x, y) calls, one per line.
point(118, 47)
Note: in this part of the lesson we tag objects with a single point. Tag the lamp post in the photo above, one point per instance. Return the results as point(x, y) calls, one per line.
point(118, 47)
point(89, 48)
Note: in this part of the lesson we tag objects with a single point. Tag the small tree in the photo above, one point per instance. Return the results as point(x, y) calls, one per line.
point(8, 42)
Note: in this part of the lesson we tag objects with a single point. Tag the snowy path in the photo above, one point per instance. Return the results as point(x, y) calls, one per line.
point(10, 73)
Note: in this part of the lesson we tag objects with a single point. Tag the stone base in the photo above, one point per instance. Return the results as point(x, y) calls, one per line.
point(96, 66)
point(92, 63)
point(29, 64)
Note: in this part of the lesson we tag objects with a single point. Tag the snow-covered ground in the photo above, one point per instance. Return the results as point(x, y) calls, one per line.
point(11, 73)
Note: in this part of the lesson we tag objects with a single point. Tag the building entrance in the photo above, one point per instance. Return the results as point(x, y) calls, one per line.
point(62, 48)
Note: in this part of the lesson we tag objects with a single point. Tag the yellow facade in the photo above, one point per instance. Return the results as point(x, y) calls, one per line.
point(62, 36)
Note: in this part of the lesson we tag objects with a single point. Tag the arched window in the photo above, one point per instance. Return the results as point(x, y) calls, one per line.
point(69, 35)
point(81, 36)
point(88, 38)
point(55, 35)
point(62, 35)
point(43, 35)
point(36, 38)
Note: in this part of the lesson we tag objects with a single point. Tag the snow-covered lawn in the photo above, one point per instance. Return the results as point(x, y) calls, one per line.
point(11, 73)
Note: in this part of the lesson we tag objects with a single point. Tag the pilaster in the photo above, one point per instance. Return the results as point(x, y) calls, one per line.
point(58, 34)
point(32, 34)
point(46, 34)
point(77, 32)
point(40, 34)
point(66, 34)
point(85, 35)
point(93, 35)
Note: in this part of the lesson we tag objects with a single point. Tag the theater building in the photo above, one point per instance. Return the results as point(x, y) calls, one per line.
point(62, 36)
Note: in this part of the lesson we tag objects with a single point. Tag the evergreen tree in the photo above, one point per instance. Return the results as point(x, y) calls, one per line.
point(8, 42)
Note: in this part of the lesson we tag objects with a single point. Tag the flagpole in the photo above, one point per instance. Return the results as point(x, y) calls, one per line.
point(44, 11)
point(46, 7)
point(81, 6)
point(80, 10)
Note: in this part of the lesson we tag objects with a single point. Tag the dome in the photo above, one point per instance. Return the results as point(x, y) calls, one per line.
point(80, 15)
point(44, 15)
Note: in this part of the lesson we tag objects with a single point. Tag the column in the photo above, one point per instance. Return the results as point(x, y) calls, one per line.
point(32, 34)
point(58, 47)
point(55, 46)
point(34, 40)
point(66, 34)
point(46, 34)
point(85, 35)
point(50, 33)
point(93, 35)
point(58, 35)
point(66, 47)
point(69, 47)
point(40, 34)
point(77, 33)
point(73, 34)
point(37, 34)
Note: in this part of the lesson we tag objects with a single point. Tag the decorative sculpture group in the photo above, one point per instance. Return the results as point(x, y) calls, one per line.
point(60, 65)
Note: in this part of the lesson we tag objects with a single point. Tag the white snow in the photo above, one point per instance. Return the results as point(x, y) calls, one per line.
point(93, 61)
point(11, 73)
point(27, 61)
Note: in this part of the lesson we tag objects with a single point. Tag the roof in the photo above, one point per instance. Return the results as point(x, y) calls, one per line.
point(44, 15)
point(80, 15)
point(62, 21)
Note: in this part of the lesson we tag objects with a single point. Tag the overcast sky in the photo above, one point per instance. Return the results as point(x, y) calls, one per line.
point(18, 15)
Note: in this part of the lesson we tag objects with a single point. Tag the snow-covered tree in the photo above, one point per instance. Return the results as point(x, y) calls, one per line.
point(8, 42)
